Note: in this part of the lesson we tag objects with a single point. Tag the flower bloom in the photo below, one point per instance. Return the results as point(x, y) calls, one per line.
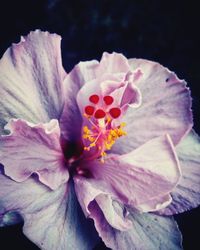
point(105, 151)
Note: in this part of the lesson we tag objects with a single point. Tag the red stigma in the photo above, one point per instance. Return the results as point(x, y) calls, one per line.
point(108, 99)
point(99, 114)
point(89, 110)
point(94, 99)
point(115, 112)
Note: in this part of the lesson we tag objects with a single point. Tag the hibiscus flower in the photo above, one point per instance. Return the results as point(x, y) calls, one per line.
point(105, 151)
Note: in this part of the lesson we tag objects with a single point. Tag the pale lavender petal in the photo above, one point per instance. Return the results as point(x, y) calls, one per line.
point(149, 231)
point(99, 78)
point(102, 86)
point(187, 193)
point(52, 219)
point(88, 192)
point(112, 63)
point(32, 149)
point(128, 94)
point(109, 64)
point(131, 96)
point(156, 204)
point(31, 79)
point(134, 178)
point(84, 72)
point(80, 74)
point(165, 108)
point(124, 91)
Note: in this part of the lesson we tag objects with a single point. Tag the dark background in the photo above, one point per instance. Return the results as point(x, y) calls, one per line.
point(163, 31)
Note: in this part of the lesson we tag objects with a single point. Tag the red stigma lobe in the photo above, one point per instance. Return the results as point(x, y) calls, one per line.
point(115, 112)
point(99, 114)
point(108, 99)
point(89, 110)
point(94, 99)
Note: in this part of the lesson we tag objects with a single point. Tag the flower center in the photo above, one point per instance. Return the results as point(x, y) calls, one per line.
point(101, 132)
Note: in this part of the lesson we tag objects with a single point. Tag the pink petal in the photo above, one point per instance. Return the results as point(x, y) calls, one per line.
point(141, 177)
point(187, 193)
point(88, 193)
point(149, 231)
point(31, 79)
point(32, 149)
point(52, 219)
point(165, 108)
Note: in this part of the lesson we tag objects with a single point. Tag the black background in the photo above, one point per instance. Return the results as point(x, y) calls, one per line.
point(163, 31)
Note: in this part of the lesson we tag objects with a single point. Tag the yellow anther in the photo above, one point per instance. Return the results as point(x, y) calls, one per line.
point(87, 148)
point(86, 116)
point(113, 133)
point(102, 159)
point(108, 119)
point(92, 144)
point(108, 146)
point(88, 134)
point(109, 138)
point(103, 140)
point(103, 154)
point(86, 129)
point(123, 124)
